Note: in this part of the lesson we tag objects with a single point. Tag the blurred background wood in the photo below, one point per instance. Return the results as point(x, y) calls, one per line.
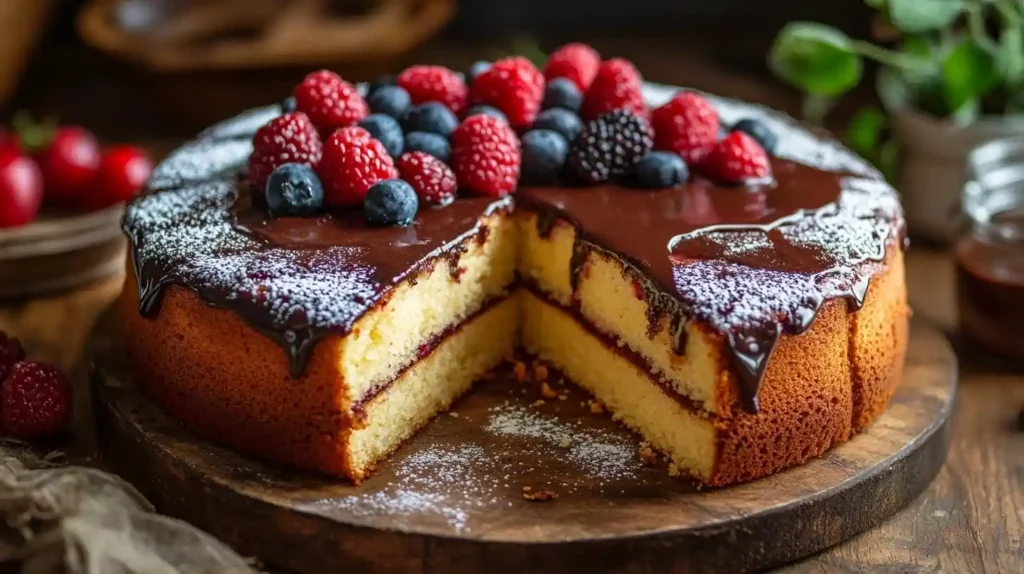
point(23, 22)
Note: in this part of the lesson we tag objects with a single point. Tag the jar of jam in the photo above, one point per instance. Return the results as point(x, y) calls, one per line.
point(989, 251)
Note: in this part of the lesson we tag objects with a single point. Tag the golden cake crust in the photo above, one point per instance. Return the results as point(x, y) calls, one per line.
point(226, 381)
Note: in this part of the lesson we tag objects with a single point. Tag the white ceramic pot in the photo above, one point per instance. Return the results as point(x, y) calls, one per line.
point(931, 174)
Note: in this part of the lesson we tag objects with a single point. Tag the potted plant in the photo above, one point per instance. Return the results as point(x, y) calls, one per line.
point(950, 76)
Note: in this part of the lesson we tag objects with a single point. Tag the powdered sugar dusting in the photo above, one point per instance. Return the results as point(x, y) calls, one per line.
point(200, 161)
point(242, 126)
point(450, 485)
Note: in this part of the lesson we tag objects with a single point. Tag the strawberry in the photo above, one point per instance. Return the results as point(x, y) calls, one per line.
point(485, 155)
point(432, 179)
point(35, 400)
point(514, 86)
point(352, 162)
point(69, 162)
point(617, 86)
point(576, 61)
point(291, 138)
point(434, 84)
point(21, 188)
point(329, 101)
point(686, 125)
point(738, 158)
point(123, 171)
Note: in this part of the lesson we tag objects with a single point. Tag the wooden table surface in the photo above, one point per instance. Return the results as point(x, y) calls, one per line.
point(970, 520)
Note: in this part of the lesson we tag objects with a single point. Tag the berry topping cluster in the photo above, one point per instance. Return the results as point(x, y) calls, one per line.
point(419, 138)
point(35, 398)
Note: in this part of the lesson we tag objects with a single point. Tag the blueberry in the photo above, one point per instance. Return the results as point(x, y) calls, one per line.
point(385, 80)
point(562, 93)
point(390, 100)
point(562, 121)
point(661, 169)
point(294, 189)
point(391, 202)
point(386, 129)
point(288, 105)
point(431, 117)
point(544, 154)
point(428, 143)
point(478, 67)
point(760, 132)
point(487, 110)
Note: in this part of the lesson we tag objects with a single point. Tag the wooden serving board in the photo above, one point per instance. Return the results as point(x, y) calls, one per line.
point(451, 499)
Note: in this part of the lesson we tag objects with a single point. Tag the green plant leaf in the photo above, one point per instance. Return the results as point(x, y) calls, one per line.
point(968, 72)
point(876, 4)
point(894, 89)
point(1011, 56)
point(915, 16)
point(816, 59)
point(865, 130)
point(889, 159)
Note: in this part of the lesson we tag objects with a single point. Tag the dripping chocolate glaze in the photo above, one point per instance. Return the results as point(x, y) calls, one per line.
point(699, 251)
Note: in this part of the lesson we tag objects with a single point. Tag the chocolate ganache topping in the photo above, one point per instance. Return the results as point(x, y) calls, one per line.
point(751, 263)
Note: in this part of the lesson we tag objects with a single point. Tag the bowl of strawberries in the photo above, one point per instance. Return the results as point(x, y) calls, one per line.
point(61, 199)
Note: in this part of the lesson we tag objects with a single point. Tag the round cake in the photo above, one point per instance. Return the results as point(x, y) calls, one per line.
point(312, 282)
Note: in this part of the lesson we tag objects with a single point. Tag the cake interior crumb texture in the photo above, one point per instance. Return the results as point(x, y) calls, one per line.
point(409, 358)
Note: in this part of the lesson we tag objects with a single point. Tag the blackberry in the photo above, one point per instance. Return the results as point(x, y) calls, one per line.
point(610, 146)
point(760, 132)
point(386, 129)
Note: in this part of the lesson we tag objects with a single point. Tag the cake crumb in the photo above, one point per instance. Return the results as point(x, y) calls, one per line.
point(520, 373)
point(546, 391)
point(541, 496)
point(647, 455)
point(596, 407)
point(673, 470)
point(540, 372)
point(537, 403)
point(564, 443)
point(563, 397)
point(454, 414)
point(527, 488)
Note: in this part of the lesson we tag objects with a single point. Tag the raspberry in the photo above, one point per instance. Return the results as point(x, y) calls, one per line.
point(35, 400)
point(434, 84)
point(617, 86)
point(686, 125)
point(433, 181)
point(577, 62)
point(485, 154)
point(290, 138)
point(514, 86)
point(610, 147)
point(737, 159)
point(11, 352)
point(330, 102)
point(352, 162)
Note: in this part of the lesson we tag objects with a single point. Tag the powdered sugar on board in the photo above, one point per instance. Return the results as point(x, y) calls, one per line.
point(518, 450)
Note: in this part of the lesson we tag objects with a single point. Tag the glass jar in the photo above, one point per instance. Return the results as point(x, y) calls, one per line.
point(989, 250)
